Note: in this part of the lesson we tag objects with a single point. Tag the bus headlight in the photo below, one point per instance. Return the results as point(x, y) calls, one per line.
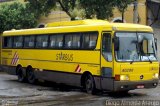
point(156, 75)
point(124, 77)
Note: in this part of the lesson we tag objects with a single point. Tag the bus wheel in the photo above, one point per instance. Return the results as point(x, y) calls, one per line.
point(20, 75)
point(30, 75)
point(89, 84)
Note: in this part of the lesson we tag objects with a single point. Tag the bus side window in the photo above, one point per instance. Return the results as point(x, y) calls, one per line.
point(89, 40)
point(52, 44)
point(69, 44)
point(29, 41)
point(72, 41)
point(92, 44)
point(52, 41)
point(44, 44)
point(107, 47)
point(56, 41)
point(42, 41)
point(45, 41)
point(18, 42)
point(7, 42)
point(59, 41)
point(76, 41)
point(68, 41)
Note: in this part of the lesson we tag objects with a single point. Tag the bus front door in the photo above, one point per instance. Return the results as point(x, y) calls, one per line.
point(106, 62)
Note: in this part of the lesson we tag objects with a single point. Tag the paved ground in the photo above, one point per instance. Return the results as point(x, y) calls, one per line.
point(15, 93)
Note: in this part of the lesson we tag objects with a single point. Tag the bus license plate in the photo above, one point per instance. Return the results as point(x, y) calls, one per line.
point(140, 86)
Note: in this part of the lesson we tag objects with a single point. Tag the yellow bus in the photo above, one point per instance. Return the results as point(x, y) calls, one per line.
point(92, 54)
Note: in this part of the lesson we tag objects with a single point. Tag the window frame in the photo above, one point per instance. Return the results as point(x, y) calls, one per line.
point(80, 33)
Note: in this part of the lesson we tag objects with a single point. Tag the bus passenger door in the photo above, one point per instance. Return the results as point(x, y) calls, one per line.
point(106, 61)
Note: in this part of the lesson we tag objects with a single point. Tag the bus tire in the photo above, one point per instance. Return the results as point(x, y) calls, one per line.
point(20, 75)
point(90, 84)
point(30, 75)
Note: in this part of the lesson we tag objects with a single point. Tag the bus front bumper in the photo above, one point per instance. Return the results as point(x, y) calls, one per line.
point(130, 85)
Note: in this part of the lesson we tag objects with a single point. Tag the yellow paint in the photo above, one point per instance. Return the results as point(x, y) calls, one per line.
point(91, 60)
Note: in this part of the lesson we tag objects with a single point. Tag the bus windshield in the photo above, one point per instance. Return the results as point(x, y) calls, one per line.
point(135, 47)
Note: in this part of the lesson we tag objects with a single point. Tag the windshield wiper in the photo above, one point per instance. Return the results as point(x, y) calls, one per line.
point(149, 59)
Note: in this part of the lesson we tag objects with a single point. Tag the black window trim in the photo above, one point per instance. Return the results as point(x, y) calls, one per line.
point(49, 35)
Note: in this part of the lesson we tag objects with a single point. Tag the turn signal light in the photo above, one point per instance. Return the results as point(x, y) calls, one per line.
point(117, 77)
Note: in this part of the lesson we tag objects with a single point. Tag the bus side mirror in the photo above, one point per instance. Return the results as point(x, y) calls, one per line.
point(116, 43)
point(155, 40)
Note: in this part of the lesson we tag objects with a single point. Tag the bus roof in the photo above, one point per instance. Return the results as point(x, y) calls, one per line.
point(77, 22)
point(80, 25)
